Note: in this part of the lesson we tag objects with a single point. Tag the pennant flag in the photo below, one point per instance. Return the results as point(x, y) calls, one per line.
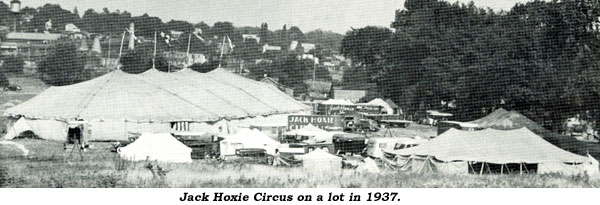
point(199, 37)
point(166, 38)
point(229, 43)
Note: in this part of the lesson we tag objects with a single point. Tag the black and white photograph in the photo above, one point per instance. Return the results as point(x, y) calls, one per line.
point(299, 94)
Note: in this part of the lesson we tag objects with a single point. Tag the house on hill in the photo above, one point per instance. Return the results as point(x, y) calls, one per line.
point(32, 45)
point(319, 89)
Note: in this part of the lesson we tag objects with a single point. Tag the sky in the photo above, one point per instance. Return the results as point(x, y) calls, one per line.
point(333, 15)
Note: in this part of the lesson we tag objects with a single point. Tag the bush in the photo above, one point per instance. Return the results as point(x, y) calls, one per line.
point(13, 65)
point(3, 80)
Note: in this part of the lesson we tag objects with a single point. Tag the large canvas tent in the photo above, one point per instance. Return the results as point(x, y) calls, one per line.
point(455, 151)
point(502, 119)
point(160, 147)
point(118, 102)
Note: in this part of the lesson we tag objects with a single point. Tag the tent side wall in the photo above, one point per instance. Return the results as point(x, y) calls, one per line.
point(45, 129)
point(561, 168)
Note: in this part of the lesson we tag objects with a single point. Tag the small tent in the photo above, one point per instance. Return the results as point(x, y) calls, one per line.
point(161, 147)
point(247, 138)
point(394, 106)
point(386, 107)
point(490, 146)
point(321, 161)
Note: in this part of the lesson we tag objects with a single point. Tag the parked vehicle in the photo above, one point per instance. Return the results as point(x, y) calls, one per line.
point(12, 88)
point(349, 143)
point(252, 156)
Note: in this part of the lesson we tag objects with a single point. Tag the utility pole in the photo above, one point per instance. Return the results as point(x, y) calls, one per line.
point(221, 56)
point(108, 58)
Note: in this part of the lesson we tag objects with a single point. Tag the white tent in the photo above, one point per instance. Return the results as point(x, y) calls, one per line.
point(118, 102)
point(337, 102)
point(161, 147)
point(247, 138)
point(315, 134)
point(386, 107)
point(321, 161)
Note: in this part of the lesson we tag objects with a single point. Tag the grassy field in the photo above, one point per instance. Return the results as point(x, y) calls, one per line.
point(48, 165)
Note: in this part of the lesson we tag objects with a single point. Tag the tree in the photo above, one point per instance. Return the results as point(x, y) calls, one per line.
point(63, 66)
point(221, 29)
point(264, 33)
point(4, 80)
point(13, 64)
point(365, 45)
point(328, 40)
point(59, 16)
point(205, 67)
point(248, 50)
point(176, 25)
point(141, 59)
point(295, 34)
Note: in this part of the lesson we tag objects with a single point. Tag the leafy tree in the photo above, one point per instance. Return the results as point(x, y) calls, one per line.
point(59, 16)
point(4, 80)
point(249, 50)
point(141, 60)
point(264, 33)
point(205, 67)
point(63, 66)
point(13, 65)
point(295, 34)
point(328, 40)
point(365, 45)
point(176, 25)
point(221, 29)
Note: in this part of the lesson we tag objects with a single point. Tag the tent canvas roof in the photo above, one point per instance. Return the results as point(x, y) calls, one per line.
point(391, 103)
point(318, 154)
point(250, 137)
point(506, 120)
point(337, 102)
point(159, 96)
point(493, 146)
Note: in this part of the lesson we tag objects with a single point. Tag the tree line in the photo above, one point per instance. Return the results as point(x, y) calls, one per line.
point(539, 58)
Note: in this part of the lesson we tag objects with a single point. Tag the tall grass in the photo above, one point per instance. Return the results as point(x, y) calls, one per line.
point(49, 166)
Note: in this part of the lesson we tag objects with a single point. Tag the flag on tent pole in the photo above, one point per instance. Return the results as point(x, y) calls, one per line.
point(197, 33)
point(229, 43)
point(166, 38)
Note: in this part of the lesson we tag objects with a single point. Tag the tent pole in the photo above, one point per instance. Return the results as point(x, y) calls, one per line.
point(481, 170)
point(527, 170)
point(521, 168)
point(508, 170)
point(502, 169)
point(488, 168)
